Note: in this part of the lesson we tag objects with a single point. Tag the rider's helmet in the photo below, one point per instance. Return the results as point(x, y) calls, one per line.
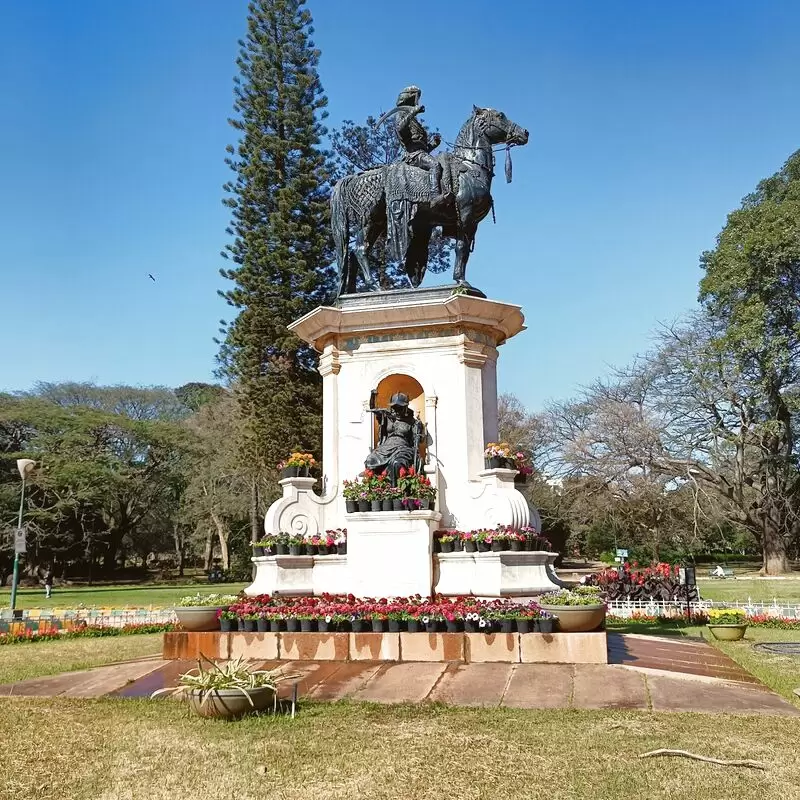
point(409, 96)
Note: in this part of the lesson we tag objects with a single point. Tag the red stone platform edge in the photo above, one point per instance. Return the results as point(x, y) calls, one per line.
point(511, 648)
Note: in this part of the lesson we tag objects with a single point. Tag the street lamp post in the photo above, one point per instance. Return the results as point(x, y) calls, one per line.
point(25, 467)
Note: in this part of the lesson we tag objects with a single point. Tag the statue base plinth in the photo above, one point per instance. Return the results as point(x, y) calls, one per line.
point(439, 347)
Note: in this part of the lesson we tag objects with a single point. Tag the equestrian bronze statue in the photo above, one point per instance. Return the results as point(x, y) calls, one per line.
point(406, 200)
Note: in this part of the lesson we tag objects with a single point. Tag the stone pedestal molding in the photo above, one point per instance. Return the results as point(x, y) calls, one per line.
point(376, 555)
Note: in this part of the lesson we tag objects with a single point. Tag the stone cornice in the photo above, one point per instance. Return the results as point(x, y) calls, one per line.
point(455, 315)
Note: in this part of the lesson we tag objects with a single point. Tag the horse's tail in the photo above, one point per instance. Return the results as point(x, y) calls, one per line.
point(340, 223)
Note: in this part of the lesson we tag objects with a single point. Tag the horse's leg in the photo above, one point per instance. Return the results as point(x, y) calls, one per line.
point(464, 240)
point(365, 241)
point(416, 262)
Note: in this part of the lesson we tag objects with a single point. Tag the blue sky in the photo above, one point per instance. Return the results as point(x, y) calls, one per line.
point(649, 122)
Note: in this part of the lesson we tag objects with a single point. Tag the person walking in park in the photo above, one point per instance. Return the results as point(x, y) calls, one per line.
point(48, 583)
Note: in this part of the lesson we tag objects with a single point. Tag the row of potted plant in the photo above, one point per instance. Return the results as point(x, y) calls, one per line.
point(373, 491)
point(414, 615)
point(484, 540)
point(333, 542)
point(579, 610)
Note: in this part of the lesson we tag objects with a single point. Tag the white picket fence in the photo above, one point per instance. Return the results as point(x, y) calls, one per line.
point(104, 618)
point(628, 608)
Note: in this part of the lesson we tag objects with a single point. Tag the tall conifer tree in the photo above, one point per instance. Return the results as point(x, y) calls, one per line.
point(280, 227)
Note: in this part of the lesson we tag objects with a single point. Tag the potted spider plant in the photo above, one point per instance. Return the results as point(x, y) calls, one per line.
point(227, 690)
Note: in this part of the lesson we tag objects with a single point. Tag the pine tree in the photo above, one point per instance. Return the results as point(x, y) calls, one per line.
point(280, 228)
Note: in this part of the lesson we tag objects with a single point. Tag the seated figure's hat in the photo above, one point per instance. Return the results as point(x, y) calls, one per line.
point(399, 399)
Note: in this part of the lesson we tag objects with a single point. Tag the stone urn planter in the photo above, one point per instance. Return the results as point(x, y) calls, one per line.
point(728, 633)
point(578, 619)
point(580, 611)
point(198, 618)
point(200, 612)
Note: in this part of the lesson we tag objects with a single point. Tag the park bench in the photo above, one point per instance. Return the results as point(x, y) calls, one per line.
point(727, 572)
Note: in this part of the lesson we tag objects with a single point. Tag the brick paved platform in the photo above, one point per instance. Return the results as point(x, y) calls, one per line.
point(649, 673)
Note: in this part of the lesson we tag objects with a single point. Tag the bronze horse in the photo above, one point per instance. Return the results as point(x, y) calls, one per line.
point(359, 204)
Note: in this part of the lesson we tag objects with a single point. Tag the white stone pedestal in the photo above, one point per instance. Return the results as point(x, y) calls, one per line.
point(389, 553)
point(439, 348)
point(504, 574)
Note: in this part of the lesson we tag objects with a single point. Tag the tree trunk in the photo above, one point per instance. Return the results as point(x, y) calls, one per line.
point(180, 550)
point(255, 528)
point(208, 551)
point(773, 545)
point(222, 535)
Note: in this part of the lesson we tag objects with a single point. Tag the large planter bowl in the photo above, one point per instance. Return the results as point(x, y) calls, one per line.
point(578, 619)
point(230, 703)
point(198, 618)
point(728, 633)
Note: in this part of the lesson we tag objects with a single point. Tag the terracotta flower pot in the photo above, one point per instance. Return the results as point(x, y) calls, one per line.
point(578, 619)
point(727, 633)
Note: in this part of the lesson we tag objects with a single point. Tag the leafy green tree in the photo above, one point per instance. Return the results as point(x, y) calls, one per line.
point(752, 287)
point(281, 249)
point(101, 473)
point(357, 148)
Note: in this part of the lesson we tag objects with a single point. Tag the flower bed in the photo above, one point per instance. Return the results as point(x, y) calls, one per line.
point(412, 614)
point(702, 618)
point(49, 633)
point(656, 582)
point(497, 539)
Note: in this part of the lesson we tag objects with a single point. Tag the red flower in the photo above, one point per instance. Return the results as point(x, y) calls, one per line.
point(402, 472)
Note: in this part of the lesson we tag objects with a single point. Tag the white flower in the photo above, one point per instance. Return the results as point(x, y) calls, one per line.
point(328, 618)
point(425, 620)
point(482, 623)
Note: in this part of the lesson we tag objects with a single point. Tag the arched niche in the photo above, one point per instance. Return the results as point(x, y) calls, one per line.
point(392, 384)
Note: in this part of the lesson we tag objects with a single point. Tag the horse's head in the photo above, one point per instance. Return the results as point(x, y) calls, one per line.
point(498, 128)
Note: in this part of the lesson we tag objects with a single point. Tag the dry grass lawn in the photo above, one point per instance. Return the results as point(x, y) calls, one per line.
point(140, 750)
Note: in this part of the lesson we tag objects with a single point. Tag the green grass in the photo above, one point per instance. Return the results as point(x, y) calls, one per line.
point(762, 590)
point(780, 673)
point(143, 750)
point(18, 662)
point(136, 596)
